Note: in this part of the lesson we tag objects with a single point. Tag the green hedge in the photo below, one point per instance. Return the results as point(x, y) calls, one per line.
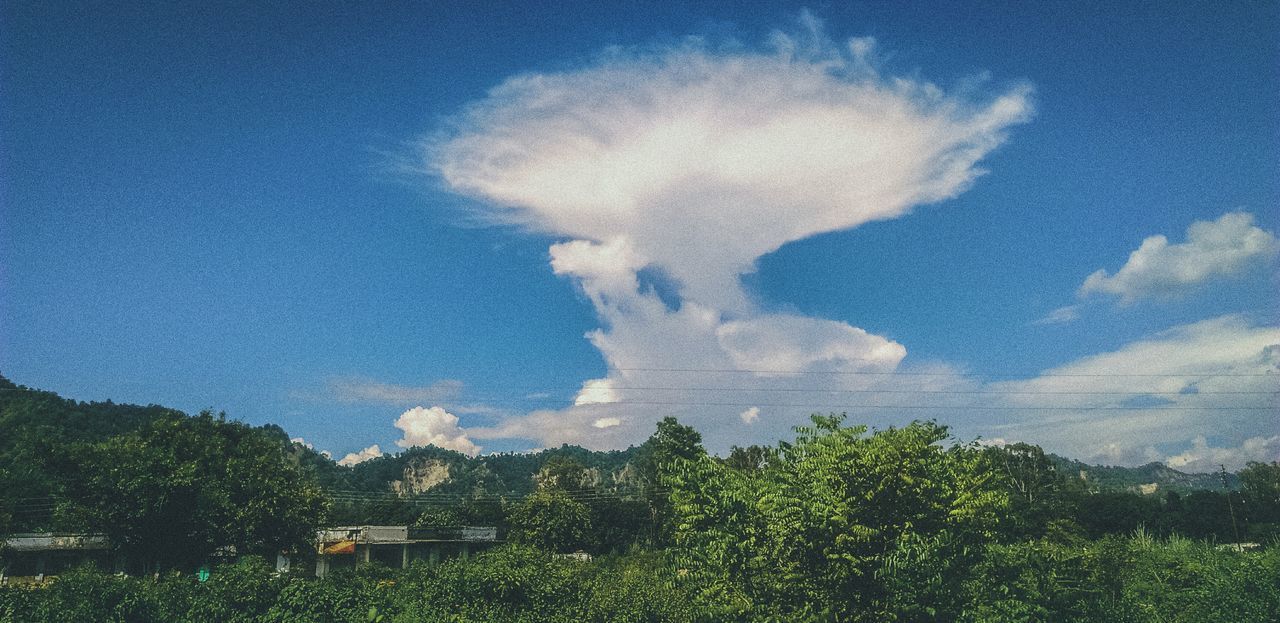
point(1113, 580)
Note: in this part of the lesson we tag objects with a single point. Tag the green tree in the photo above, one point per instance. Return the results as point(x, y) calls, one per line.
point(180, 488)
point(671, 444)
point(561, 472)
point(1039, 495)
point(838, 523)
point(1261, 481)
point(551, 520)
point(1260, 488)
point(617, 522)
point(749, 458)
point(8, 504)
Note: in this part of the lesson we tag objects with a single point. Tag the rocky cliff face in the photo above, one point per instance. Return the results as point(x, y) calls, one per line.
point(628, 476)
point(421, 476)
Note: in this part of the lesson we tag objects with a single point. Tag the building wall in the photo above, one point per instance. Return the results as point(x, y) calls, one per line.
point(398, 555)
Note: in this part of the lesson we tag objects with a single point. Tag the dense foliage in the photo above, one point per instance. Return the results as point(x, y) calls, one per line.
point(514, 583)
point(175, 491)
point(840, 524)
point(830, 524)
point(1135, 579)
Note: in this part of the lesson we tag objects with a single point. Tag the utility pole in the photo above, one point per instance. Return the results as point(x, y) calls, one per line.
point(1230, 507)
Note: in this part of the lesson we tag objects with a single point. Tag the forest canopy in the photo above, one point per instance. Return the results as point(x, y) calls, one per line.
point(839, 523)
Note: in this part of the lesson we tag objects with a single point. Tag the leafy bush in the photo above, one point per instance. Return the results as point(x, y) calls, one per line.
point(925, 577)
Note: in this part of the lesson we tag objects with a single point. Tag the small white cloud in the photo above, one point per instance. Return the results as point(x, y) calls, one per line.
point(1061, 315)
point(372, 452)
point(1217, 249)
point(303, 442)
point(607, 422)
point(434, 427)
point(595, 392)
point(750, 415)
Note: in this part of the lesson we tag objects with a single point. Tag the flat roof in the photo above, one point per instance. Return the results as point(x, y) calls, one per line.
point(53, 541)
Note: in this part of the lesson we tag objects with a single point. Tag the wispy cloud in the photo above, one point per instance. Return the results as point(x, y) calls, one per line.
point(1061, 315)
point(1213, 250)
point(1196, 456)
point(1202, 457)
point(1215, 377)
point(366, 390)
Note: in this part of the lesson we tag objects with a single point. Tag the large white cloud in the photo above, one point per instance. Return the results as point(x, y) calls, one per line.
point(434, 427)
point(1216, 378)
point(695, 160)
point(1202, 457)
point(1213, 250)
point(703, 161)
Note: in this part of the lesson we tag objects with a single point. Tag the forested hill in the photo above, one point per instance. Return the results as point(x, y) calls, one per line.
point(45, 437)
point(38, 424)
point(430, 469)
point(433, 469)
point(177, 491)
point(26, 413)
point(821, 529)
point(1113, 478)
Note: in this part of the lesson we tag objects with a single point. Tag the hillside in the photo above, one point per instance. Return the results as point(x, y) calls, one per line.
point(1139, 479)
point(40, 426)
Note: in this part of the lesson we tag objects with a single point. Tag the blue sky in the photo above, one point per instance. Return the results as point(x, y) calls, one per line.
point(295, 215)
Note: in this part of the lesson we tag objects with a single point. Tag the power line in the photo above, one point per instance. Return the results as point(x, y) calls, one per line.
point(956, 407)
point(940, 391)
point(951, 373)
point(815, 390)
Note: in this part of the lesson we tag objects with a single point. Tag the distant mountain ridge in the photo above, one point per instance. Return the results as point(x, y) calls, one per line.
point(1139, 479)
point(437, 471)
point(37, 422)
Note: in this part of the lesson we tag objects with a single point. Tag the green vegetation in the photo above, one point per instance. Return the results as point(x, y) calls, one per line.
point(1101, 477)
point(840, 524)
point(1133, 579)
point(178, 489)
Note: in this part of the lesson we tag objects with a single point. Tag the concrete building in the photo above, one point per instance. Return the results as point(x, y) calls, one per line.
point(36, 557)
point(396, 546)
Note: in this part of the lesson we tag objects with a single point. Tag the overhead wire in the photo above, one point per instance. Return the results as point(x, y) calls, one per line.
point(950, 373)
